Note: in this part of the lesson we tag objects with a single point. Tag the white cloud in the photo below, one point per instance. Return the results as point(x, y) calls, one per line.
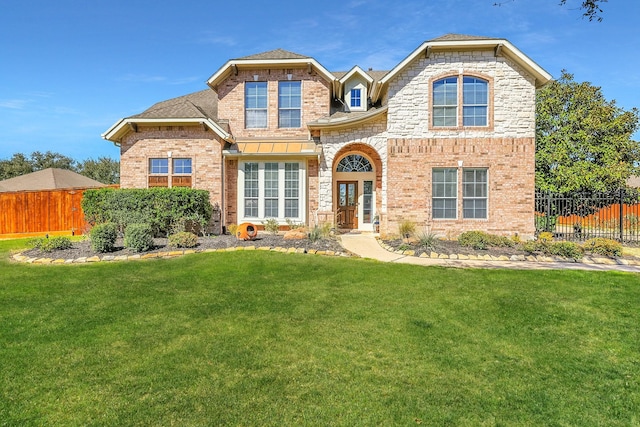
point(14, 104)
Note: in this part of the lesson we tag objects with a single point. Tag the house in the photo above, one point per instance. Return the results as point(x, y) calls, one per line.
point(445, 139)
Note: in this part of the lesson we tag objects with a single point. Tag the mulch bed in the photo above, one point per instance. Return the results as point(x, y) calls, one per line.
point(82, 248)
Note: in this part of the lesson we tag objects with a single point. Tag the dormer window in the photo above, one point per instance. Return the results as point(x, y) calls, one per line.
point(355, 98)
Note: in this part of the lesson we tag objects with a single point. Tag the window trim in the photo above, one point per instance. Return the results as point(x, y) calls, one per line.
point(475, 197)
point(283, 195)
point(289, 109)
point(170, 178)
point(460, 104)
point(265, 109)
point(456, 197)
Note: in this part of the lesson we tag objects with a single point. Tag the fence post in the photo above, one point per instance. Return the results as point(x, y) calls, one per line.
point(621, 218)
point(548, 213)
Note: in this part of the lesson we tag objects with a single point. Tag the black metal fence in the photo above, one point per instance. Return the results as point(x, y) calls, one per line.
point(582, 216)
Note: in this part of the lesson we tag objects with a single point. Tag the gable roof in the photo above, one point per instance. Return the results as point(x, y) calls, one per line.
point(276, 54)
point(461, 41)
point(273, 58)
point(48, 179)
point(195, 108)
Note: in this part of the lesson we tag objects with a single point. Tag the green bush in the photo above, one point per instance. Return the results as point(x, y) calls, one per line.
point(103, 237)
point(183, 239)
point(161, 208)
point(138, 237)
point(271, 225)
point(46, 244)
point(601, 246)
point(483, 240)
point(566, 249)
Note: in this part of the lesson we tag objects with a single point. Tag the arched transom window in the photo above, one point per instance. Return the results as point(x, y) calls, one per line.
point(354, 163)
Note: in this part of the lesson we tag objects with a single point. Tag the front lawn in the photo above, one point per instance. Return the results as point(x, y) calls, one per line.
point(262, 338)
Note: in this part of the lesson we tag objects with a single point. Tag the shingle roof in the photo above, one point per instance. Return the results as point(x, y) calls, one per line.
point(460, 37)
point(203, 104)
point(274, 54)
point(48, 179)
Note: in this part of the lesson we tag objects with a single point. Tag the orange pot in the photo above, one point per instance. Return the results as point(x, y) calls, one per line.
point(246, 231)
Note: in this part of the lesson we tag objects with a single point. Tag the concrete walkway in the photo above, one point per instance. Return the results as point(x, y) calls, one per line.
point(365, 245)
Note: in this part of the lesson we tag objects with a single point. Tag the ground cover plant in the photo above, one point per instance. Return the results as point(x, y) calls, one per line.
point(263, 338)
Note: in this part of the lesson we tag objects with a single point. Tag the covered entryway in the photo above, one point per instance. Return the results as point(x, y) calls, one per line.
point(355, 183)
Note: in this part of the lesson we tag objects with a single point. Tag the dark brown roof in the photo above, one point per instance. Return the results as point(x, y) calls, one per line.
point(203, 104)
point(459, 37)
point(48, 179)
point(274, 54)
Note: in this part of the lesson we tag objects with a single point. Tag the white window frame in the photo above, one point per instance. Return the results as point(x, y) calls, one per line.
point(289, 108)
point(473, 187)
point(444, 195)
point(251, 124)
point(282, 195)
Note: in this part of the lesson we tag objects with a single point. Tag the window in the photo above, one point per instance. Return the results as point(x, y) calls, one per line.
point(474, 110)
point(181, 173)
point(474, 193)
point(291, 190)
point(444, 189)
point(445, 102)
point(251, 190)
point(271, 190)
point(255, 102)
point(474, 102)
point(158, 173)
point(354, 163)
point(289, 102)
point(367, 202)
point(355, 98)
point(159, 166)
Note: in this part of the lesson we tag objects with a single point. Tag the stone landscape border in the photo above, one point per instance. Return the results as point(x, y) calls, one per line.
point(530, 258)
point(169, 254)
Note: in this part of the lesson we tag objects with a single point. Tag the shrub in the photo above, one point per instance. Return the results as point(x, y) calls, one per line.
point(483, 240)
point(601, 246)
point(406, 228)
point(319, 232)
point(271, 225)
point(545, 236)
point(103, 237)
point(162, 208)
point(46, 244)
point(138, 237)
point(183, 239)
point(293, 225)
point(232, 229)
point(427, 240)
point(566, 249)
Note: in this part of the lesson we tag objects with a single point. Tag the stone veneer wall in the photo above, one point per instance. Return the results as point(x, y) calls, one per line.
point(337, 142)
point(315, 101)
point(409, 96)
point(193, 142)
point(511, 175)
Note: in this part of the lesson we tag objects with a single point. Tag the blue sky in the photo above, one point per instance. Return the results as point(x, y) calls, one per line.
point(71, 69)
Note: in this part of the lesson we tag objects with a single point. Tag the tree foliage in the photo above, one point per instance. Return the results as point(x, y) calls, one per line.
point(583, 141)
point(591, 9)
point(104, 169)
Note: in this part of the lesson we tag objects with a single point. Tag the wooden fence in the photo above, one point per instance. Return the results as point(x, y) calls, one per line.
point(44, 211)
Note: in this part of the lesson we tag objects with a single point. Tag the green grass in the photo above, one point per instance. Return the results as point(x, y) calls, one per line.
point(261, 338)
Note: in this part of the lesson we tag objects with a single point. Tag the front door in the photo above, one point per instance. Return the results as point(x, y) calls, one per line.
point(347, 204)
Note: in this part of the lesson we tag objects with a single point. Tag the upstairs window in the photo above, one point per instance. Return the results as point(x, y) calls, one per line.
point(255, 104)
point(355, 98)
point(449, 109)
point(474, 101)
point(445, 102)
point(289, 103)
